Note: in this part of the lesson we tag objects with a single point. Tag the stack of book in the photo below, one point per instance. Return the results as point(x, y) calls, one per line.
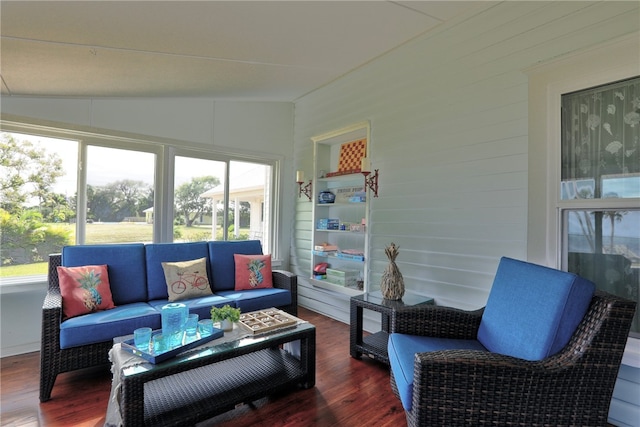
point(325, 249)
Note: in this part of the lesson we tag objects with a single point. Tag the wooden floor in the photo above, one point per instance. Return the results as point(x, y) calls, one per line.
point(348, 392)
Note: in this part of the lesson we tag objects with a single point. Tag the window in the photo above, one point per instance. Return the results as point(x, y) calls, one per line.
point(600, 187)
point(249, 201)
point(196, 181)
point(204, 208)
point(37, 200)
point(119, 196)
point(129, 191)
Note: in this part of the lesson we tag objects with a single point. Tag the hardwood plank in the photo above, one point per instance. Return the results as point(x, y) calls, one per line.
point(348, 392)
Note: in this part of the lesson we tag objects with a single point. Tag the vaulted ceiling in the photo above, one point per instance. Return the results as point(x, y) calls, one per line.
point(254, 50)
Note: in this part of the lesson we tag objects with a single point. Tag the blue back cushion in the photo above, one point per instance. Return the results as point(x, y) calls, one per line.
point(157, 253)
point(223, 267)
point(125, 265)
point(532, 310)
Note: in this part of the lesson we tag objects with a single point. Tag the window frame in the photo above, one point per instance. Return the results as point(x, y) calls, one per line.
point(605, 63)
point(83, 146)
point(165, 152)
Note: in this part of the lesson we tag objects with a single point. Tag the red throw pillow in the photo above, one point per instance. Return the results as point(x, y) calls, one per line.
point(84, 289)
point(253, 271)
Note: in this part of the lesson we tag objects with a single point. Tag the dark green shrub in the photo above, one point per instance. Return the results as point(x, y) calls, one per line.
point(25, 239)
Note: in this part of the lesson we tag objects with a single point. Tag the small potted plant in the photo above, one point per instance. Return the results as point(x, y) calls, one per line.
point(226, 316)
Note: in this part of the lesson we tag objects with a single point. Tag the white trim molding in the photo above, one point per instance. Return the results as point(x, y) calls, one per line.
point(612, 61)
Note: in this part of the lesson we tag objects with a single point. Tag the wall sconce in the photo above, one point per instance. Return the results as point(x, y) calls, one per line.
point(306, 189)
point(369, 181)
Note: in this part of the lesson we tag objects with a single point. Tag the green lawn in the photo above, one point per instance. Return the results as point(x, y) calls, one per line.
point(112, 233)
point(24, 270)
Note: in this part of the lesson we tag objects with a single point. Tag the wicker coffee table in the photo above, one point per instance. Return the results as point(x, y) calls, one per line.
point(211, 379)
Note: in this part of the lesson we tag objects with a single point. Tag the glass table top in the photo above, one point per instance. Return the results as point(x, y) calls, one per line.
point(217, 346)
point(407, 300)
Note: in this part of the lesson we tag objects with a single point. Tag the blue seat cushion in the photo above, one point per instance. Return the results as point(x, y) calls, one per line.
point(223, 267)
point(532, 310)
point(402, 350)
point(105, 325)
point(125, 265)
point(258, 299)
point(157, 253)
point(200, 306)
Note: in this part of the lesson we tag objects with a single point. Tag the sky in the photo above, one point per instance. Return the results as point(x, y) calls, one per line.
point(106, 165)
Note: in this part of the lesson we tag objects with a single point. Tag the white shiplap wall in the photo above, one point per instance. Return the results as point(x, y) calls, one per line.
point(449, 114)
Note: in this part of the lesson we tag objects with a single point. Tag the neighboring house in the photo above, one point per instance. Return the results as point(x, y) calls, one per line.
point(148, 214)
point(248, 187)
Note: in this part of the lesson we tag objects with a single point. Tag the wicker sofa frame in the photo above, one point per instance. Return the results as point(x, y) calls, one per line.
point(54, 360)
point(462, 387)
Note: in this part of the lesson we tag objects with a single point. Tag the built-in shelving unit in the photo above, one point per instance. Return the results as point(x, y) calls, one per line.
point(350, 209)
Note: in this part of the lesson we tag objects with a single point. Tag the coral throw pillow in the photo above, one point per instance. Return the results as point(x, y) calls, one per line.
point(253, 271)
point(84, 289)
point(186, 279)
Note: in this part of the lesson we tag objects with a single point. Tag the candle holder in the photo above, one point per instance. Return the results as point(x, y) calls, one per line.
point(306, 189)
point(371, 181)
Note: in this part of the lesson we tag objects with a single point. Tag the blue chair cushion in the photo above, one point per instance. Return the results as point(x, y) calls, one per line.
point(402, 350)
point(223, 267)
point(105, 325)
point(200, 306)
point(125, 264)
point(532, 310)
point(258, 299)
point(157, 253)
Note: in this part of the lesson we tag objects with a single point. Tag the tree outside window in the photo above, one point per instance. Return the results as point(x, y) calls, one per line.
point(34, 207)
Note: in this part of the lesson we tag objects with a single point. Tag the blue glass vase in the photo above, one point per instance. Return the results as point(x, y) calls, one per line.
point(174, 318)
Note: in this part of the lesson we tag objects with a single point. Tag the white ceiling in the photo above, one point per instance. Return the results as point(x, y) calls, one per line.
point(258, 50)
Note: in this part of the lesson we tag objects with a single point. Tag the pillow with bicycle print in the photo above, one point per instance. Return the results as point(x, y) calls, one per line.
point(84, 289)
point(253, 272)
point(186, 279)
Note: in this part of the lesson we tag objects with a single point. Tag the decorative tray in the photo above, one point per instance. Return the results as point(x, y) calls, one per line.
point(263, 321)
point(154, 357)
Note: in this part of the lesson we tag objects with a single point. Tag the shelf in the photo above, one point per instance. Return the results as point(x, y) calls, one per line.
point(341, 231)
point(328, 205)
point(357, 261)
point(350, 207)
point(374, 346)
point(344, 178)
point(335, 288)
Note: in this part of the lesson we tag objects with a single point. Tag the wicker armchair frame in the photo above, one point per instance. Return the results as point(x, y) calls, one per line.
point(54, 360)
point(462, 387)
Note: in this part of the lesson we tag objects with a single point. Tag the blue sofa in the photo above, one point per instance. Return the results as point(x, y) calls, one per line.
point(139, 291)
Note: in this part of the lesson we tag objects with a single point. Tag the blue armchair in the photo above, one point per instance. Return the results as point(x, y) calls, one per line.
point(545, 350)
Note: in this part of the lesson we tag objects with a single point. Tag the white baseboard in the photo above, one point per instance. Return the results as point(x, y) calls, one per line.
point(19, 349)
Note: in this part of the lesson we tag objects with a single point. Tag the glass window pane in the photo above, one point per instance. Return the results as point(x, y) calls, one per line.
point(604, 247)
point(601, 142)
point(120, 187)
point(249, 202)
point(37, 201)
point(198, 187)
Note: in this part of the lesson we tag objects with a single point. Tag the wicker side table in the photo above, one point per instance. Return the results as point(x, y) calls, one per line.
point(375, 345)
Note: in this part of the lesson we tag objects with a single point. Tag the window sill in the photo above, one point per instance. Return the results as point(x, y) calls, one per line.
point(12, 285)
